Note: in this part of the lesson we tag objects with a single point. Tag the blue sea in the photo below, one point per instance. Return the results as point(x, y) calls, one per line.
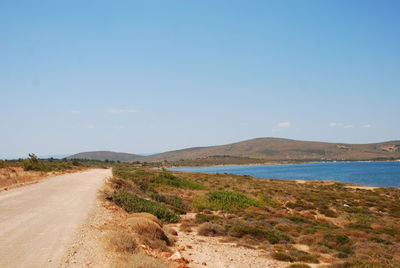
point(381, 174)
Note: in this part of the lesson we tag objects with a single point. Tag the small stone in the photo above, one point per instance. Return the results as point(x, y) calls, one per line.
point(166, 254)
point(176, 256)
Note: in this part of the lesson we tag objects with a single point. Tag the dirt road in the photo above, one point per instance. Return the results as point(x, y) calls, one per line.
point(37, 222)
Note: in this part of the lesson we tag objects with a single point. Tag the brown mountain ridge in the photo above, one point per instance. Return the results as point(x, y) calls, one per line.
point(279, 149)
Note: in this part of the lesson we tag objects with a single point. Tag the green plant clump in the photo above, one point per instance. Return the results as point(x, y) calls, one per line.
point(132, 203)
point(166, 178)
point(272, 236)
point(224, 200)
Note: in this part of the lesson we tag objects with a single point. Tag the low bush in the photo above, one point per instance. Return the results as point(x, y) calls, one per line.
point(290, 254)
point(133, 203)
point(33, 163)
point(171, 200)
point(201, 218)
point(166, 178)
point(119, 241)
point(211, 229)
point(224, 200)
point(3, 164)
point(282, 256)
point(328, 212)
point(271, 235)
point(380, 241)
point(148, 229)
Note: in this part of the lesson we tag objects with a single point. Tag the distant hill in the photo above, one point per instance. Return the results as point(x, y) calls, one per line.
point(278, 149)
point(106, 155)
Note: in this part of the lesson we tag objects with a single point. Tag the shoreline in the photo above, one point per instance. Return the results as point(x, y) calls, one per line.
point(276, 163)
point(301, 181)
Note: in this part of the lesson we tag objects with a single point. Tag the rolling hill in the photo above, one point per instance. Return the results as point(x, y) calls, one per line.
point(278, 149)
point(105, 155)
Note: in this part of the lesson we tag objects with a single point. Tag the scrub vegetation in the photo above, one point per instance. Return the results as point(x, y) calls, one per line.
point(323, 223)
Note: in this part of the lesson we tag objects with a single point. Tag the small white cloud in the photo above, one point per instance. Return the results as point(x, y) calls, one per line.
point(275, 130)
point(90, 127)
point(348, 126)
point(118, 127)
point(367, 126)
point(76, 111)
point(335, 124)
point(284, 124)
point(119, 111)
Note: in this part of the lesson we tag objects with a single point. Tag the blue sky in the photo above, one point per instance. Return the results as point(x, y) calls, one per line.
point(151, 76)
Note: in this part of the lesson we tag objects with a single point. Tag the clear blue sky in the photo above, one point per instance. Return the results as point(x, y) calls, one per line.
point(151, 76)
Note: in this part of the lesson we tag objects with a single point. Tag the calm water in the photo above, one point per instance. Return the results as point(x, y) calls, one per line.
point(382, 174)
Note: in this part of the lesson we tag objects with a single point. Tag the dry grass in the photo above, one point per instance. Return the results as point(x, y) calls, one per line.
point(147, 216)
point(12, 176)
point(149, 233)
point(139, 260)
point(186, 226)
point(120, 242)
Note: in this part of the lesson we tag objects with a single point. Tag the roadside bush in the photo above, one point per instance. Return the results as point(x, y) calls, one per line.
point(33, 163)
point(149, 230)
point(120, 242)
point(133, 203)
point(224, 200)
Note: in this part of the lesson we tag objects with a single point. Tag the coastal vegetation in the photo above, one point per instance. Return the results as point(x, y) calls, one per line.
point(299, 223)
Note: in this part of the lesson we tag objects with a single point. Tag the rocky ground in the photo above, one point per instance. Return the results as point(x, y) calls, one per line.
point(206, 251)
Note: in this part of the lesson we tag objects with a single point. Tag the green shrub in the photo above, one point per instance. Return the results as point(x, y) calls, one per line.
point(132, 203)
point(337, 239)
point(166, 178)
point(269, 202)
point(224, 200)
point(282, 256)
point(381, 241)
point(33, 163)
point(328, 213)
point(201, 218)
point(3, 164)
point(271, 235)
point(145, 179)
point(292, 255)
point(172, 200)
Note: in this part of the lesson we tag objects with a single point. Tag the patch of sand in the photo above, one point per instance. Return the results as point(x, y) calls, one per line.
point(205, 251)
